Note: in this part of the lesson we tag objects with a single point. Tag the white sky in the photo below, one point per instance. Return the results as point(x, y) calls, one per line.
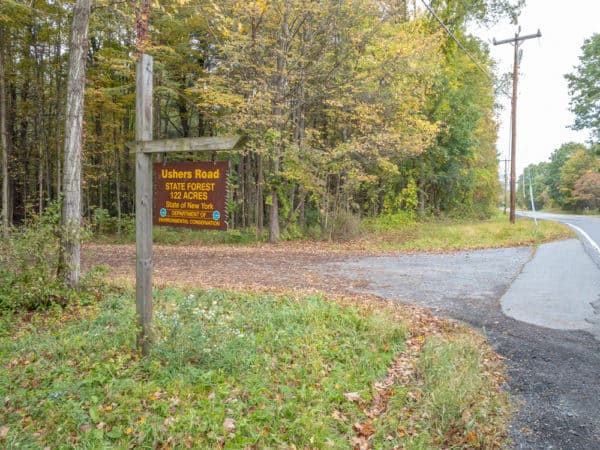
point(543, 115)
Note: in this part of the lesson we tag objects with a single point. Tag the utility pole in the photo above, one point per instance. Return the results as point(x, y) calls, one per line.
point(513, 142)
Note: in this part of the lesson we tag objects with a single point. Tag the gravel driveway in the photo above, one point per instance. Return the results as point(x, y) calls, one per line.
point(554, 374)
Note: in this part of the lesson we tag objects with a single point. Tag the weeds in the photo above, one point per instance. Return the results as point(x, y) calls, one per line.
point(29, 261)
point(459, 402)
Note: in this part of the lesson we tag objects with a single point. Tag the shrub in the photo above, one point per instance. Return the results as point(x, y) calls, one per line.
point(29, 261)
point(344, 225)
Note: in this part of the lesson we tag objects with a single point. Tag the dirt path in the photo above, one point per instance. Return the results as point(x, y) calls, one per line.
point(286, 266)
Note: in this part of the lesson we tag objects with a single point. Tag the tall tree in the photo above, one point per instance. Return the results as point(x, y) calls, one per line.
point(71, 213)
point(584, 88)
point(580, 162)
point(558, 158)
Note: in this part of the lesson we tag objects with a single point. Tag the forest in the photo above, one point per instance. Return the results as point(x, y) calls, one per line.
point(349, 109)
point(569, 181)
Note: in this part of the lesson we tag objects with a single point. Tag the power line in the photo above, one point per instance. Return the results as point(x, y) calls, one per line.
point(481, 68)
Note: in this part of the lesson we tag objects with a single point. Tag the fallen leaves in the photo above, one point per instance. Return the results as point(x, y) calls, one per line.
point(156, 395)
point(229, 425)
point(352, 396)
point(339, 416)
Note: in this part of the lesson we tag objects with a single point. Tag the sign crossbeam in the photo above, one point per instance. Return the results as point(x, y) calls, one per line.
point(199, 144)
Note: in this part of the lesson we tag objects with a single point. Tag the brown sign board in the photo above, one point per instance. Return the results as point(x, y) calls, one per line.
point(191, 194)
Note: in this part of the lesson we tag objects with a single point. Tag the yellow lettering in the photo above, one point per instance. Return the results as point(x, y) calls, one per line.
point(195, 195)
point(171, 186)
point(174, 174)
point(207, 174)
point(200, 186)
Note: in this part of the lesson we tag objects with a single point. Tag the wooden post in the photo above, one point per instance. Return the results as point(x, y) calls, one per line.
point(143, 204)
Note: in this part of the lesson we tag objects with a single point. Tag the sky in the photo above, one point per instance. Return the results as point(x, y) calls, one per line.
point(543, 116)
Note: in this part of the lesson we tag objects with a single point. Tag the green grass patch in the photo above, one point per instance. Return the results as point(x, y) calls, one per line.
point(454, 235)
point(459, 396)
point(228, 369)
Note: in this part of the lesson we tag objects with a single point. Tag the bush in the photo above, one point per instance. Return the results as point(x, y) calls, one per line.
point(343, 226)
point(29, 261)
point(104, 224)
point(389, 222)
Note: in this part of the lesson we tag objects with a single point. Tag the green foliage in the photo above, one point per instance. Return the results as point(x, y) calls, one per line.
point(101, 220)
point(28, 264)
point(389, 222)
point(29, 261)
point(583, 88)
point(362, 99)
point(410, 197)
point(577, 165)
point(568, 181)
point(174, 236)
point(586, 191)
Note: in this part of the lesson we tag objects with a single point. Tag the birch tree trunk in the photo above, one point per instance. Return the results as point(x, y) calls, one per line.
point(71, 213)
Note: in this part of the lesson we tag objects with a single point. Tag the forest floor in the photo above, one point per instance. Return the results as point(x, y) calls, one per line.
point(285, 266)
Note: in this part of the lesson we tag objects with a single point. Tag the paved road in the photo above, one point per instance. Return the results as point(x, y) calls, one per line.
point(587, 227)
point(547, 337)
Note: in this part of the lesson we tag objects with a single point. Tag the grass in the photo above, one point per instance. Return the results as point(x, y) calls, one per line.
point(393, 233)
point(238, 370)
point(454, 375)
point(457, 235)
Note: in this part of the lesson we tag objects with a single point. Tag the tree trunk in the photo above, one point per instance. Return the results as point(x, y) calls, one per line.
point(117, 176)
point(274, 232)
point(260, 212)
point(58, 122)
point(4, 142)
point(73, 142)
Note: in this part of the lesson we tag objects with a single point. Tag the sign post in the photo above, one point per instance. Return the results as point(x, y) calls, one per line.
point(143, 148)
point(143, 204)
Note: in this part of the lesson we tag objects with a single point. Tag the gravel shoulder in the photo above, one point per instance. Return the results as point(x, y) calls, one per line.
point(554, 374)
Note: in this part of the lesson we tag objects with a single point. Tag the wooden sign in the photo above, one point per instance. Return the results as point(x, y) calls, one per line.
point(191, 194)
